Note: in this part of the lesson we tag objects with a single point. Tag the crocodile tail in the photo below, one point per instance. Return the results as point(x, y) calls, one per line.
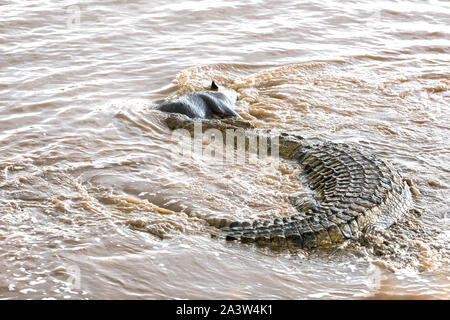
point(295, 232)
point(354, 192)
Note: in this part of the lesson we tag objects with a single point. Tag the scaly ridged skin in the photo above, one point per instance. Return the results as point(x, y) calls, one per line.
point(353, 193)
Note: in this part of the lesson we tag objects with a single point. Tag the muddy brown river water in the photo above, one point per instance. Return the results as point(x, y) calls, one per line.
point(94, 206)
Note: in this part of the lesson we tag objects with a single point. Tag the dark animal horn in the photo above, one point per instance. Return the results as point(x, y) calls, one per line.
point(214, 86)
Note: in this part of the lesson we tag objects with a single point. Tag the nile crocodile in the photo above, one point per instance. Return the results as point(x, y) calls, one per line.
point(353, 192)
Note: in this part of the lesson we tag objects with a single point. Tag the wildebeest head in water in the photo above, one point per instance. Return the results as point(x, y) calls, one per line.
point(210, 104)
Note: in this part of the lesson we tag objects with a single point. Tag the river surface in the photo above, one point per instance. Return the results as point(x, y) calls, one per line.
point(93, 204)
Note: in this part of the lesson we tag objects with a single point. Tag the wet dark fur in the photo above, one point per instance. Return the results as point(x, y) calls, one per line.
point(204, 105)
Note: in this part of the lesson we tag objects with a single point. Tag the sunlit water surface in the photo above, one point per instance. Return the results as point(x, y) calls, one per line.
point(93, 204)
